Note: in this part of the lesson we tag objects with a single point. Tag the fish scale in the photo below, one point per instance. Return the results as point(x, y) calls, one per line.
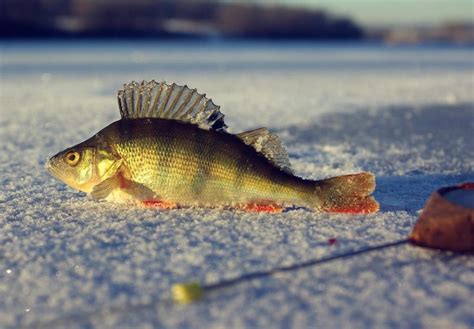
point(169, 165)
point(171, 147)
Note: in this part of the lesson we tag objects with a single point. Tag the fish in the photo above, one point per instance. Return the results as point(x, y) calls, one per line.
point(171, 149)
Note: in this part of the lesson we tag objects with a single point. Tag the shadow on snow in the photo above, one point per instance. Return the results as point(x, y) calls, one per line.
point(412, 150)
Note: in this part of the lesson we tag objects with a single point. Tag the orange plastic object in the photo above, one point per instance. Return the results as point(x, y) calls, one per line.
point(447, 224)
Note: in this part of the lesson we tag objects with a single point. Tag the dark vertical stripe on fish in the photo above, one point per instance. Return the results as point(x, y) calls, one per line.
point(168, 159)
point(242, 165)
point(202, 169)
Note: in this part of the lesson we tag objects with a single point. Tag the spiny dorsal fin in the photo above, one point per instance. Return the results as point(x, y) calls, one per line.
point(269, 145)
point(150, 99)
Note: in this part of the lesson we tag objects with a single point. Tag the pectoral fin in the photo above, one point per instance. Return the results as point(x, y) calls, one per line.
point(119, 183)
point(102, 190)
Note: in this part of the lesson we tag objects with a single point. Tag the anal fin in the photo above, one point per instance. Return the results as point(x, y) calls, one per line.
point(161, 204)
point(263, 208)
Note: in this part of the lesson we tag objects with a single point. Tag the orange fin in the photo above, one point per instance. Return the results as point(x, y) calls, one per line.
point(355, 206)
point(265, 208)
point(154, 203)
point(120, 183)
point(350, 194)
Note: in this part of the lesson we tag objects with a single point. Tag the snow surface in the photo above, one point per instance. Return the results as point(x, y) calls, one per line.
point(405, 114)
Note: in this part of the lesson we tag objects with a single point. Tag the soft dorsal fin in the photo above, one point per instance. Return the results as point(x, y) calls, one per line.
point(150, 99)
point(269, 145)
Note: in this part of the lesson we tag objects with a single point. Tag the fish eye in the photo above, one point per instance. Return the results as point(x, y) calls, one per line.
point(72, 158)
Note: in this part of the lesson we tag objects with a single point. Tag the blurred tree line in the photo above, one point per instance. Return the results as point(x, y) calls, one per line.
point(162, 18)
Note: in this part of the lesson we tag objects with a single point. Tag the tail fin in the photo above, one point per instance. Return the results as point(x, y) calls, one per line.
point(347, 194)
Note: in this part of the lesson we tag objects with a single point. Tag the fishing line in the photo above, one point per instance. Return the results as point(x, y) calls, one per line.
point(189, 292)
point(260, 274)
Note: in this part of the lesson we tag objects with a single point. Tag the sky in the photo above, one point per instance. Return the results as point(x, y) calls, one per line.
point(395, 12)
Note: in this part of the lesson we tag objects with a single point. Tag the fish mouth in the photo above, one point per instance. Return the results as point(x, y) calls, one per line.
point(53, 170)
point(47, 165)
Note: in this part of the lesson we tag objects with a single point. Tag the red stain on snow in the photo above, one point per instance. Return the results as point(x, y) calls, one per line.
point(332, 241)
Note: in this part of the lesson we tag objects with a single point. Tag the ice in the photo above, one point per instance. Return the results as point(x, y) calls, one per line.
point(405, 114)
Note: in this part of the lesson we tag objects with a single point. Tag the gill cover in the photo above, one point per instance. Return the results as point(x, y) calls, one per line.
point(84, 165)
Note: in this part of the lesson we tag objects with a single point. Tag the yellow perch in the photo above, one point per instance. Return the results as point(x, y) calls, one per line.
point(171, 149)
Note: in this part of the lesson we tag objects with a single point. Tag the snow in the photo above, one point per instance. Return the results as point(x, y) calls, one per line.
point(405, 114)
